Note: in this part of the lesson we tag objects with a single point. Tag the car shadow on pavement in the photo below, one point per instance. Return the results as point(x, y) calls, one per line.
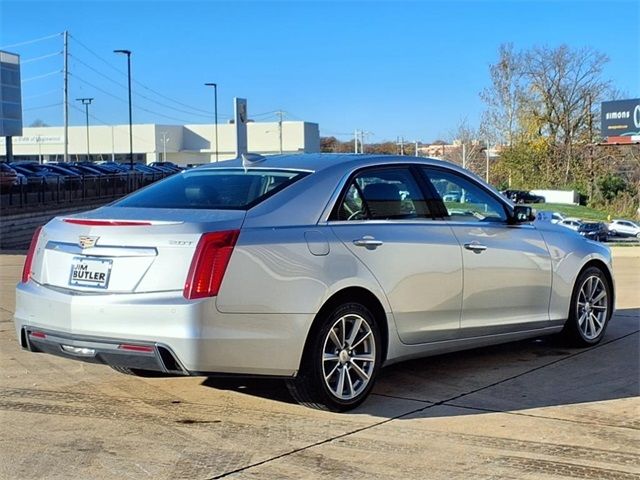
point(520, 375)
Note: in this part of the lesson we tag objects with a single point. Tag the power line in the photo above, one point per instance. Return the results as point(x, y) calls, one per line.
point(42, 94)
point(122, 85)
point(28, 42)
point(110, 65)
point(42, 57)
point(55, 72)
point(106, 124)
point(42, 107)
point(138, 107)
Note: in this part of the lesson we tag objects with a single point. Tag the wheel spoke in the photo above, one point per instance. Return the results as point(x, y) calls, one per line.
point(582, 318)
point(343, 332)
point(333, 370)
point(330, 357)
point(349, 382)
point(340, 387)
point(334, 338)
point(600, 296)
point(354, 332)
point(599, 307)
point(363, 358)
point(597, 320)
point(359, 371)
point(592, 327)
point(362, 339)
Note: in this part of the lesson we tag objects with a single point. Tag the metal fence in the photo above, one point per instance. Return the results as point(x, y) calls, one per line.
point(51, 191)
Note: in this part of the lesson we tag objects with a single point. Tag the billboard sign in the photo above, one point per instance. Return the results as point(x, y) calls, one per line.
point(621, 118)
point(10, 95)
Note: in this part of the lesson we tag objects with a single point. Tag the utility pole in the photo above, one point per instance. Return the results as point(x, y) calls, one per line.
point(590, 121)
point(215, 112)
point(464, 155)
point(400, 143)
point(165, 139)
point(416, 146)
point(86, 102)
point(486, 176)
point(65, 94)
point(280, 113)
point(355, 141)
point(128, 54)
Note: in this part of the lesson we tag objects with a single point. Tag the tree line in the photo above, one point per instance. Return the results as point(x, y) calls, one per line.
point(542, 119)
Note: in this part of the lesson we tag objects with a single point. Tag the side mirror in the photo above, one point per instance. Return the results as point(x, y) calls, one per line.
point(523, 214)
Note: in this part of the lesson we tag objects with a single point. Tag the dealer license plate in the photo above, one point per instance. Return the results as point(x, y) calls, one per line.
point(90, 272)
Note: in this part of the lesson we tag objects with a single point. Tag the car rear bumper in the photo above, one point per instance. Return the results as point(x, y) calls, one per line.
point(186, 337)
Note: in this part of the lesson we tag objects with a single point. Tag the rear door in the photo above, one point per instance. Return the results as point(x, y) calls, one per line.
point(385, 220)
point(507, 268)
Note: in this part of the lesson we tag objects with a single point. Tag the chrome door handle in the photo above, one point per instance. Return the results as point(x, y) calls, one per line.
point(475, 247)
point(368, 242)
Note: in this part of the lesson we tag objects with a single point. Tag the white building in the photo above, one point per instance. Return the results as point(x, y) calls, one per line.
point(183, 144)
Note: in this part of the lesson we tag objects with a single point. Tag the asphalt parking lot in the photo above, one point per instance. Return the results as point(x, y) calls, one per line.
point(527, 410)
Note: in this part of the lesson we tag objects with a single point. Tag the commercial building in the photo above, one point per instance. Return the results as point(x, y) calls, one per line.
point(181, 144)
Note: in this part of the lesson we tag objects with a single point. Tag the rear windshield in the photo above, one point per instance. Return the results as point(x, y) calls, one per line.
point(212, 189)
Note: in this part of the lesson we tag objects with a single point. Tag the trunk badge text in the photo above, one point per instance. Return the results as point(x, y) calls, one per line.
point(86, 241)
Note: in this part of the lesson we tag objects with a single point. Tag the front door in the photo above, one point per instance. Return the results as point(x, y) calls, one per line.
point(507, 268)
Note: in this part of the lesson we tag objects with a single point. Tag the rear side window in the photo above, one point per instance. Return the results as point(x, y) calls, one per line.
point(212, 189)
point(383, 194)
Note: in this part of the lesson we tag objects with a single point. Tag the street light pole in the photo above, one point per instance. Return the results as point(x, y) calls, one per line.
point(215, 111)
point(86, 102)
point(128, 54)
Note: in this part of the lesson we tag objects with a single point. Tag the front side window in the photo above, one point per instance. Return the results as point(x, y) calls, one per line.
point(464, 200)
point(232, 189)
point(383, 194)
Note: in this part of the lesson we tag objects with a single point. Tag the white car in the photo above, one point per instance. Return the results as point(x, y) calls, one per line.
point(548, 216)
point(625, 228)
point(572, 223)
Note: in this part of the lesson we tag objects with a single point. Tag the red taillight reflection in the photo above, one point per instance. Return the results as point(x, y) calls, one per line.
point(28, 262)
point(38, 334)
point(105, 223)
point(209, 263)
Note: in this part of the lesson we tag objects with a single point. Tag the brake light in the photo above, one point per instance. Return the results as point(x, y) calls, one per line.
point(28, 262)
point(104, 223)
point(209, 263)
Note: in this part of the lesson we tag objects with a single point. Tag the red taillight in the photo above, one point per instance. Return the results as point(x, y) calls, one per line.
point(105, 223)
point(26, 270)
point(209, 264)
point(38, 334)
point(135, 348)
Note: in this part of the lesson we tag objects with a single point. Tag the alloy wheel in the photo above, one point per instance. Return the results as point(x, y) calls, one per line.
point(592, 307)
point(349, 357)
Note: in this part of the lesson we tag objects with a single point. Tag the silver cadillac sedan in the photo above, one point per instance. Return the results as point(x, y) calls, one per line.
point(317, 268)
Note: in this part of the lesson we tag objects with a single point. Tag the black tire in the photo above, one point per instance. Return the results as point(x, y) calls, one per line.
point(580, 330)
point(613, 233)
point(309, 387)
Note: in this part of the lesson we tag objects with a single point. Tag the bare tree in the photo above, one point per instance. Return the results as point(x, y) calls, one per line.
point(563, 86)
point(504, 97)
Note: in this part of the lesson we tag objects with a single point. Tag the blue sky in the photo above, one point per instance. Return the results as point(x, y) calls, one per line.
point(411, 69)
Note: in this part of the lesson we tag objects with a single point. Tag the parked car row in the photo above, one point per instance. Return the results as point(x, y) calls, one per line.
point(71, 174)
point(598, 231)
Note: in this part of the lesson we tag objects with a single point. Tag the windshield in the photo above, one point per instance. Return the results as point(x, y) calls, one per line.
point(212, 189)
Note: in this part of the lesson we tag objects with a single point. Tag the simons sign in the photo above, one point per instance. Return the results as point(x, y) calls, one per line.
point(621, 118)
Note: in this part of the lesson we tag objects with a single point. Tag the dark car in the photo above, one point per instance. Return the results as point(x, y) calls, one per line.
point(8, 176)
point(169, 166)
point(38, 176)
point(594, 231)
point(522, 196)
